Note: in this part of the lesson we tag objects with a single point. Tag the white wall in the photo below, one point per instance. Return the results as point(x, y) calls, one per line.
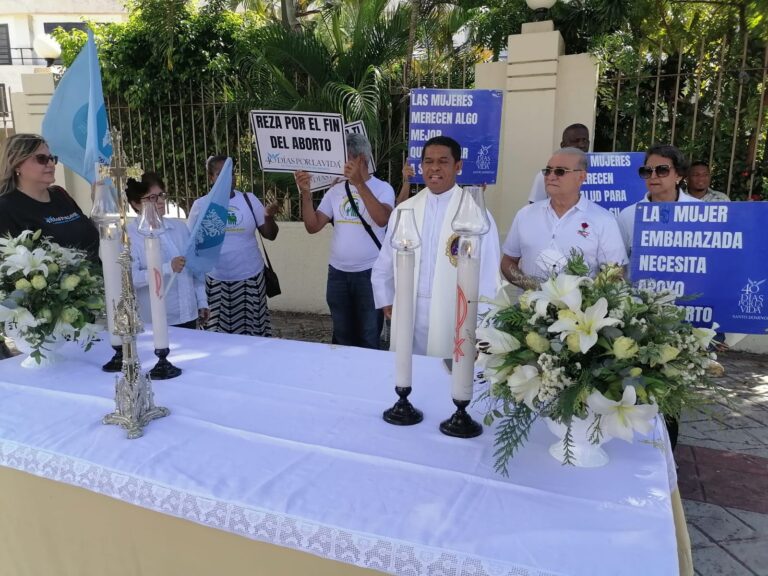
point(11, 76)
point(301, 263)
point(26, 20)
point(19, 32)
point(62, 7)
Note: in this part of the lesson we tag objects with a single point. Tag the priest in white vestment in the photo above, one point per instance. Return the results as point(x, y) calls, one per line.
point(434, 208)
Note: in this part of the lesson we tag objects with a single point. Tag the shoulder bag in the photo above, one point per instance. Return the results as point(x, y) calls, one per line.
point(271, 281)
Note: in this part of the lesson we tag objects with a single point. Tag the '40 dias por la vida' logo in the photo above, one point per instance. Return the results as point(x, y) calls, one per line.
point(751, 301)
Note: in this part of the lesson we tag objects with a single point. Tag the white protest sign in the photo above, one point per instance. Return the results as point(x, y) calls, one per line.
point(321, 181)
point(289, 141)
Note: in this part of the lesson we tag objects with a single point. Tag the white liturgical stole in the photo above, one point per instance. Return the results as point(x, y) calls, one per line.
point(435, 294)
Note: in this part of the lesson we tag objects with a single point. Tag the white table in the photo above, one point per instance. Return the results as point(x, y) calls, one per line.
point(283, 442)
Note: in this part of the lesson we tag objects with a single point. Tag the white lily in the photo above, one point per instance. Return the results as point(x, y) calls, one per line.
point(8, 246)
point(563, 291)
point(586, 324)
point(491, 365)
point(89, 333)
point(66, 256)
point(525, 383)
point(27, 262)
point(704, 335)
point(19, 316)
point(621, 419)
point(64, 331)
point(491, 340)
point(500, 302)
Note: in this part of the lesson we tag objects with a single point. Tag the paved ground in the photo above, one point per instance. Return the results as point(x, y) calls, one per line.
point(722, 457)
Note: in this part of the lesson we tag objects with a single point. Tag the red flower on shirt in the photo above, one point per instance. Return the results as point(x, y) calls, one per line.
point(584, 230)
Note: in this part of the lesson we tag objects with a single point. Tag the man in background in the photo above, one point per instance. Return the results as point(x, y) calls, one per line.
point(699, 179)
point(359, 209)
point(574, 136)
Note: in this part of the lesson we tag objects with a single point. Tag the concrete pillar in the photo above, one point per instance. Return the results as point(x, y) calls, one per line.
point(545, 91)
point(29, 107)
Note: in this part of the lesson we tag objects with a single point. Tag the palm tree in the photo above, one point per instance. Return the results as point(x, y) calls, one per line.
point(338, 63)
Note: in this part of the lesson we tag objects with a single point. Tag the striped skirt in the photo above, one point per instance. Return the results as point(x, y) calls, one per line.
point(238, 307)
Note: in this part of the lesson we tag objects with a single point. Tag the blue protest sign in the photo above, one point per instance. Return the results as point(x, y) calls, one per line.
point(713, 252)
point(612, 180)
point(471, 117)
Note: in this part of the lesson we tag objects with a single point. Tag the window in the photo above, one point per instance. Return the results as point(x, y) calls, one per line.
point(49, 27)
point(5, 45)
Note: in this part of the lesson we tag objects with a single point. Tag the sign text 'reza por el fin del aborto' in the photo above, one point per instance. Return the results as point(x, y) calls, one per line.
point(291, 141)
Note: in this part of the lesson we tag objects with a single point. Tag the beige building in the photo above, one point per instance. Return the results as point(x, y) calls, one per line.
point(22, 21)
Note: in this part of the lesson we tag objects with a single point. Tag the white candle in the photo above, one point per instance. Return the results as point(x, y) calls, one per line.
point(404, 322)
point(109, 251)
point(467, 292)
point(156, 292)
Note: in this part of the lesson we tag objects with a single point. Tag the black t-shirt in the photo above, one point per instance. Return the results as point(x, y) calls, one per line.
point(61, 219)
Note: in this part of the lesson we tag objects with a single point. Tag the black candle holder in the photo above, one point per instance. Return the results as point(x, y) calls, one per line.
point(461, 425)
point(115, 364)
point(163, 370)
point(403, 413)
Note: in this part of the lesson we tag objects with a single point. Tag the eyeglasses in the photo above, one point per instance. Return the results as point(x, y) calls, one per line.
point(661, 170)
point(43, 159)
point(559, 172)
point(154, 197)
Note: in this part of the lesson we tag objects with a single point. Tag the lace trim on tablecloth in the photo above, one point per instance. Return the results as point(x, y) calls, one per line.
point(359, 549)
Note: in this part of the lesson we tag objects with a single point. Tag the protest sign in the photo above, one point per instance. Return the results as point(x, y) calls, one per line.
point(712, 252)
point(321, 181)
point(291, 141)
point(471, 117)
point(612, 180)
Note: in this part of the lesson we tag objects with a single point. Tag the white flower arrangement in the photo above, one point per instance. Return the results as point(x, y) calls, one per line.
point(48, 293)
point(580, 346)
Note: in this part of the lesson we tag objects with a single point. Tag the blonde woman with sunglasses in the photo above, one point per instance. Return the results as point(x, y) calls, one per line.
point(29, 200)
point(663, 170)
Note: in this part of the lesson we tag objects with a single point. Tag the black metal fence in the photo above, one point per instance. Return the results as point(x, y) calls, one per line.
point(712, 105)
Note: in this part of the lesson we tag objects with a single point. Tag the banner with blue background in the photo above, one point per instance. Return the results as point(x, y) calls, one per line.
point(207, 233)
point(75, 124)
point(713, 252)
point(471, 117)
point(612, 180)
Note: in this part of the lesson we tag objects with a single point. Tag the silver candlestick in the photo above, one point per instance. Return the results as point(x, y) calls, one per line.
point(134, 398)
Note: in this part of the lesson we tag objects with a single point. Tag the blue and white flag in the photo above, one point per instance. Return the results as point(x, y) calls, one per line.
point(207, 233)
point(75, 125)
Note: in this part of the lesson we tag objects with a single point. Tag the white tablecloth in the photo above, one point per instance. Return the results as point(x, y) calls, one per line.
point(283, 442)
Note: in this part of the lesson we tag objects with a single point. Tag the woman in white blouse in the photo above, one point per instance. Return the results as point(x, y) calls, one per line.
point(186, 303)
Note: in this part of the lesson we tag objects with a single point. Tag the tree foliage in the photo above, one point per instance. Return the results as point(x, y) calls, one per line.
point(675, 71)
point(175, 72)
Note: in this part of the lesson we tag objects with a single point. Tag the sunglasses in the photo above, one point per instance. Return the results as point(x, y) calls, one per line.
point(661, 171)
point(559, 172)
point(43, 159)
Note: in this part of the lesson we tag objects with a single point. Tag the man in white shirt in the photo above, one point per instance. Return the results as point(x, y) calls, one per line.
point(574, 136)
point(544, 234)
point(434, 208)
point(359, 209)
